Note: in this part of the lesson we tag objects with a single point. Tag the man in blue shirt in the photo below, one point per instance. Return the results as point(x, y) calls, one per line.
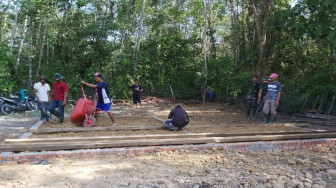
point(272, 99)
point(104, 101)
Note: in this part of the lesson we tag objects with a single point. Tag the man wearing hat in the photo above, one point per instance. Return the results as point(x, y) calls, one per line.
point(272, 99)
point(252, 97)
point(59, 97)
point(262, 96)
point(42, 95)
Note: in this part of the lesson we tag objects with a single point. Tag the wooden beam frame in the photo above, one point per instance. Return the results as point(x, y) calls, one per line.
point(157, 136)
point(51, 146)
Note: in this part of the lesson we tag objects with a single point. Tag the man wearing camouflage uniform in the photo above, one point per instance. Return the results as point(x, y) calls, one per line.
point(252, 97)
point(262, 96)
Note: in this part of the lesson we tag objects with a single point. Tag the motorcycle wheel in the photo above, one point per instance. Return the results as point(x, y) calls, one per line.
point(32, 105)
point(7, 109)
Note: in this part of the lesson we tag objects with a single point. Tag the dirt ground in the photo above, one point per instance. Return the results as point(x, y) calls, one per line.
point(224, 118)
point(314, 168)
point(105, 122)
point(11, 126)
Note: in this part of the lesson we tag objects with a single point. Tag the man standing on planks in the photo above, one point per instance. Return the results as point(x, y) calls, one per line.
point(272, 99)
point(262, 96)
point(59, 97)
point(42, 95)
point(136, 90)
point(252, 97)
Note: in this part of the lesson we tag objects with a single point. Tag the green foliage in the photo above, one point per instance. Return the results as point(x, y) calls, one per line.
point(84, 37)
point(6, 85)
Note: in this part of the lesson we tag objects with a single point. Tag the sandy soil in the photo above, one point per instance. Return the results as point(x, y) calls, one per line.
point(315, 168)
point(104, 122)
point(210, 114)
point(11, 126)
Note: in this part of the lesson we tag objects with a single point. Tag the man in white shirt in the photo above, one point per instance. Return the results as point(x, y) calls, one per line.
point(42, 95)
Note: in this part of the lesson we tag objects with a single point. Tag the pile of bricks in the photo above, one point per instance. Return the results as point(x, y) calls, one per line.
point(36, 157)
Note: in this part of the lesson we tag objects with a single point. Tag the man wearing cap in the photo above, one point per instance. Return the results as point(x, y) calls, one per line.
point(177, 119)
point(252, 97)
point(42, 95)
point(262, 96)
point(104, 100)
point(272, 99)
point(59, 97)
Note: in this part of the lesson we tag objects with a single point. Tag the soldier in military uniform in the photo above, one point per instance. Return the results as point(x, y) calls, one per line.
point(262, 96)
point(252, 97)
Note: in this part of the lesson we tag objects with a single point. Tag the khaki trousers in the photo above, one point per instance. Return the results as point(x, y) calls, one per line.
point(270, 105)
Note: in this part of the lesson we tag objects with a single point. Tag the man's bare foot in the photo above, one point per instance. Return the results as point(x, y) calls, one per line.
point(114, 124)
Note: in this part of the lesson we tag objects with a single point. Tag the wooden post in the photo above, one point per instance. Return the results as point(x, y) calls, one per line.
point(304, 104)
point(172, 93)
point(317, 98)
point(332, 104)
point(320, 107)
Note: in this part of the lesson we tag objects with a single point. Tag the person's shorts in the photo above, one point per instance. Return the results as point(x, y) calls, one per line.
point(136, 99)
point(104, 107)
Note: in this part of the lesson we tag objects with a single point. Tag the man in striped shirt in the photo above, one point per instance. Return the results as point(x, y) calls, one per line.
point(272, 99)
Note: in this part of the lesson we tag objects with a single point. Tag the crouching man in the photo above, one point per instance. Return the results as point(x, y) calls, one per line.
point(177, 119)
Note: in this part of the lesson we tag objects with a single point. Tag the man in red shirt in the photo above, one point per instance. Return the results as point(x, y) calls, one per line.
point(59, 96)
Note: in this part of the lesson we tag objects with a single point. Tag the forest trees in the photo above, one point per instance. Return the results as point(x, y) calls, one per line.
point(182, 43)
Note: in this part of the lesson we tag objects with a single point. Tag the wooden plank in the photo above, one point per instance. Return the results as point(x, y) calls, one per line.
point(158, 136)
point(153, 142)
point(82, 129)
point(121, 128)
point(159, 119)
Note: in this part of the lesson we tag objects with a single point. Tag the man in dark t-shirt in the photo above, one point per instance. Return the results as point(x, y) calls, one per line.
point(136, 90)
point(104, 100)
point(177, 119)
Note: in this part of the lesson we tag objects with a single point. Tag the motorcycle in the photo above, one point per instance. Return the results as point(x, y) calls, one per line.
point(14, 104)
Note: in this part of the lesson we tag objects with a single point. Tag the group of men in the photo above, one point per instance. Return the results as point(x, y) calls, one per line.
point(264, 97)
point(49, 101)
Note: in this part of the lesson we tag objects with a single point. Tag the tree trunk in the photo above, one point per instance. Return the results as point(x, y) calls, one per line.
point(42, 48)
point(13, 34)
point(38, 31)
point(205, 48)
point(21, 44)
point(4, 21)
point(31, 51)
point(243, 47)
point(139, 32)
point(262, 32)
point(235, 32)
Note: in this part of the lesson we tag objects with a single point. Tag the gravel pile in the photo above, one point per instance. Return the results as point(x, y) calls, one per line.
point(312, 168)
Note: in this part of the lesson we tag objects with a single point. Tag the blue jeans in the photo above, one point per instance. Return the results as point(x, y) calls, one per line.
point(169, 125)
point(56, 104)
point(44, 110)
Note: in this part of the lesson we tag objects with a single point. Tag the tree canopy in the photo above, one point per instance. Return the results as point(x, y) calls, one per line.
point(180, 43)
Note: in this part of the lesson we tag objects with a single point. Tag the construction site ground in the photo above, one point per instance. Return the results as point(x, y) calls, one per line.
point(221, 118)
point(309, 168)
point(305, 168)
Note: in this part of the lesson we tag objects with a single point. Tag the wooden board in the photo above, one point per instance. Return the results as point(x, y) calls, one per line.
point(121, 128)
point(156, 136)
point(153, 142)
